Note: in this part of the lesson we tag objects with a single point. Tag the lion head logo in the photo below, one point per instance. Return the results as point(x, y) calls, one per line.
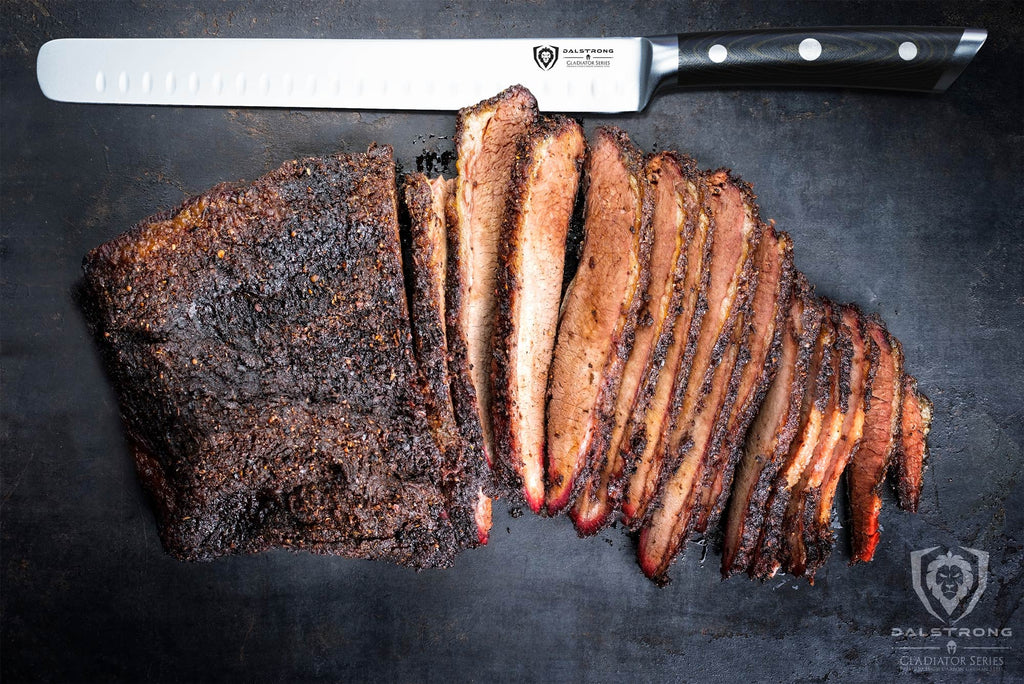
point(545, 56)
point(951, 581)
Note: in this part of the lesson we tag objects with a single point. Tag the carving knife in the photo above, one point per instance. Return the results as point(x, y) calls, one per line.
point(565, 74)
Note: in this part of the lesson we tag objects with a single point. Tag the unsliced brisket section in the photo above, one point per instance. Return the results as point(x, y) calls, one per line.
point(769, 553)
point(672, 357)
point(867, 469)
point(259, 342)
point(818, 536)
point(772, 432)
point(424, 201)
point(915, 424)
point(753, 374)
point(709, 392)
point(487, 136)
point(671, 178)
point(599, 312)
point(542, 193)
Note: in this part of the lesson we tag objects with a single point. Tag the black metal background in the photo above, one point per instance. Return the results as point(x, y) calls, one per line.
point(909, 205)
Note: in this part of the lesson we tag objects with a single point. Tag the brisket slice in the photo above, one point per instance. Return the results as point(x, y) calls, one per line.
point(867, 469)
point(799, 515)
point(673, 352)
point(772, 432)
point(912, 456)
point(729, 270)
point(599, 313)
point(763, 331)
point(487, 136)
point(769, 552)
point(541, 196)
point(710, 390)
point(818, 536)
point(671, 181)
point(426, 265)
point(258, 339)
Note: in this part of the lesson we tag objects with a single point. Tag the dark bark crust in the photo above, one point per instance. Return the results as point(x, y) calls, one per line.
point(259, 342)
point(768, 556)
point(751, 508)
point(465, 474)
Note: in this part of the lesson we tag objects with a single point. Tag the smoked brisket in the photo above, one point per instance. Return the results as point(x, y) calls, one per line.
point(912, 457)
point(709, 391)
point(769, 553)
point(771, 434)
point(259, 342)
point(299, 365)
point(671, 177)
point(672, 357)
point(541, 196)
point(867, 469)
point(818, 536)
point(599, 313)
point(754, 372)
point(424, 202)
point(487, 136)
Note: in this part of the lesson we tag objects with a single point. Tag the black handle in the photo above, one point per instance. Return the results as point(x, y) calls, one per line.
point(890, 57)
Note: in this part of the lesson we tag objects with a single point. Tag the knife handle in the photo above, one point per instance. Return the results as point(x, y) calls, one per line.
point(915, 58)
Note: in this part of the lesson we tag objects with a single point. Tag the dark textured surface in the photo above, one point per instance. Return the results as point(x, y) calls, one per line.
point(908, 205)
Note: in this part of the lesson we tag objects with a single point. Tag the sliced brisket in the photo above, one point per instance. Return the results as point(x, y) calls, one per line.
point(672, 181)
point(541, 197)
point(867, 469)
point(709, 391)
point(487, 136)
point(673, 353)
point(915, 424)
point(259, 342)
point(799, 517)
point(424, 201)
point(818, 536)
point(763, 330)
point(599, 313)
point(769, 553)
point(772, 432)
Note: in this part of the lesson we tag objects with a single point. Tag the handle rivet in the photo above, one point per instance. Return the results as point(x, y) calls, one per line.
point(810, 49)
point(908, 51)
point(717, 53)
point(101, 82)
point(122, 82)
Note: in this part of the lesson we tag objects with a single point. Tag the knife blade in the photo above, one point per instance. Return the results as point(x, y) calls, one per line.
point(565, 74)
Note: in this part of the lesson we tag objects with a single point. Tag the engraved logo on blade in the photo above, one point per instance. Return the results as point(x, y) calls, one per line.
point(545, 56)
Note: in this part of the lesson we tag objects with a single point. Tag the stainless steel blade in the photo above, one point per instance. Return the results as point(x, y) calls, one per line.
point(567, 74)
